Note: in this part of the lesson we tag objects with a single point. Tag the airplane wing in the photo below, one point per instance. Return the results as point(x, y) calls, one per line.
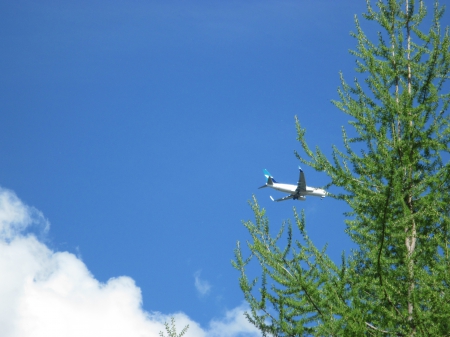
point(283, 199)
point(301, 185)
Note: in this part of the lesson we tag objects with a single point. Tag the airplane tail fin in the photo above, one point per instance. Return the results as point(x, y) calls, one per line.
point(269, 179)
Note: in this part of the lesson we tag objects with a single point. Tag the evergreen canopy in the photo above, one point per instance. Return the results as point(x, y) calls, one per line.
point(395, 176)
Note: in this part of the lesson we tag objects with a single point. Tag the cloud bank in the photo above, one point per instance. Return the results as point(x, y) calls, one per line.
point(52, 294)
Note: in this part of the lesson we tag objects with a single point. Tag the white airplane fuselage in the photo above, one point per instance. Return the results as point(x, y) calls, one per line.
point(289, 188)
point(296, 192)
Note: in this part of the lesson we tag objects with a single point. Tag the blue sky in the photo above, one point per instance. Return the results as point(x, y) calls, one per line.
point(140, 129)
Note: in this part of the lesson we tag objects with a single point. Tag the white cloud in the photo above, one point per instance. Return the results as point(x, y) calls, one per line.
point(233, 324)
point(52, 294)
point(15, 217)
point(202, 286)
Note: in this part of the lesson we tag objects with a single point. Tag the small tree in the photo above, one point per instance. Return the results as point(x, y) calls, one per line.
point(171, 329)
point(392, 175)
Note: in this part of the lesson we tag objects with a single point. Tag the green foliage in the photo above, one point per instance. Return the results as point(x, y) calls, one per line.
point(393, 177)
point(171, 330)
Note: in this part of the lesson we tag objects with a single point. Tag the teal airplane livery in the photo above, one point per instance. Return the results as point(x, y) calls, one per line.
point(296, 192)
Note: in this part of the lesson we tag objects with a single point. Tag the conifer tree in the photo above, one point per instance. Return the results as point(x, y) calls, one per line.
point(172, 330)
point(395, 176)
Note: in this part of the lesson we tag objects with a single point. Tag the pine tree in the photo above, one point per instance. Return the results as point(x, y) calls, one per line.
point(393, 176)
point(172, 330)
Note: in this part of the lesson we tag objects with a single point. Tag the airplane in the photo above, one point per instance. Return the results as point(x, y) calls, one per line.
point(296, 192)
